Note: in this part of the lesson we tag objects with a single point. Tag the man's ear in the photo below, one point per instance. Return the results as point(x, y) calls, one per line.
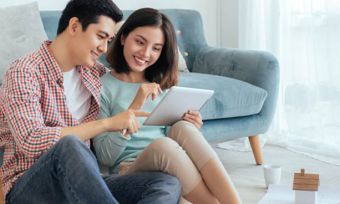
point(73, 25)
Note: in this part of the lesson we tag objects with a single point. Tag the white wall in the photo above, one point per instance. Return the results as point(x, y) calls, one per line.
point(207, 8)
point(229, 23)
point(220, 17)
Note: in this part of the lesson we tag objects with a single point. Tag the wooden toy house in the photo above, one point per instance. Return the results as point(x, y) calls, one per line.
point(306, 187)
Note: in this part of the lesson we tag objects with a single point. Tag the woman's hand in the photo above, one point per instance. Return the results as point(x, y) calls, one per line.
point(144, 91)
point(194, 117)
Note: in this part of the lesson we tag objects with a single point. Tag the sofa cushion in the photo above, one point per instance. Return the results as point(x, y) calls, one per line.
point(21, 32)
point(232, 98)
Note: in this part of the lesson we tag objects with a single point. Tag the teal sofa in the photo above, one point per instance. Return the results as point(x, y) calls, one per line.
point(245, 81)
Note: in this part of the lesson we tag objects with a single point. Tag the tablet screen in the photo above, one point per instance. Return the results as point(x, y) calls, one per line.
point(176, 102)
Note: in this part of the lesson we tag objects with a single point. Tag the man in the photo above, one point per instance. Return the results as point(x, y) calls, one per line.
point(48, 105)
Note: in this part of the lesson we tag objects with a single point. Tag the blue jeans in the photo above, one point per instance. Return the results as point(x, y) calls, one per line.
point(69, 173)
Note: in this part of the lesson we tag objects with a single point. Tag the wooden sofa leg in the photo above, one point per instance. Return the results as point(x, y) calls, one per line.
point(256, 147)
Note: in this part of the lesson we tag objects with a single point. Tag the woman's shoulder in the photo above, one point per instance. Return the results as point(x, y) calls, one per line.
point(108, 79)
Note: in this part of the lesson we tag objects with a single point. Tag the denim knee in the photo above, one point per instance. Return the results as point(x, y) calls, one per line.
point(72, 145)
point(69, 140)
point(172, 182)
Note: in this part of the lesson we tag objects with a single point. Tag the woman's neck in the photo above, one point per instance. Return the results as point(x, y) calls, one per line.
point(132, 77)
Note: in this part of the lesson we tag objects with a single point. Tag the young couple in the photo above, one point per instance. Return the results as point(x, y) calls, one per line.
point(50, 101)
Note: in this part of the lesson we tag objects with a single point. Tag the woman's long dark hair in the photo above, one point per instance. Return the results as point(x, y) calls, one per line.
point(165, 70)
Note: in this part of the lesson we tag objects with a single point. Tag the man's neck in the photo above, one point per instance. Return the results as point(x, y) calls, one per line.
point(61, 53)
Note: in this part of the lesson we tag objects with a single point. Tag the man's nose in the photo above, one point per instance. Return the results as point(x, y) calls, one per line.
point(103, 47)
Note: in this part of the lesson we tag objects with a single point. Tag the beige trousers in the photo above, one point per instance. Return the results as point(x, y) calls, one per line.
point(182, 154)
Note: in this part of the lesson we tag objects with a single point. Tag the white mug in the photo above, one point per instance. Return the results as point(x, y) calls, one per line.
point(272, 174)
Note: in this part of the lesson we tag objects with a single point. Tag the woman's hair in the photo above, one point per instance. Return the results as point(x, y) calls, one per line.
point(165, 70)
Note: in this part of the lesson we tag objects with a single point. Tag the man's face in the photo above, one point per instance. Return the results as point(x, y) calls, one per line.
point(88, 45)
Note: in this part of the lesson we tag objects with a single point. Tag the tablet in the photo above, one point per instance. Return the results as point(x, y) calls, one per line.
point(175, 103)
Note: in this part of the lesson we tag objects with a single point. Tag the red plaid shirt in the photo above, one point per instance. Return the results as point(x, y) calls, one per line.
point(33, 110)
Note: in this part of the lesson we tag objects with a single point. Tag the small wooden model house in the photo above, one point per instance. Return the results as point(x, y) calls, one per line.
point(306, 187)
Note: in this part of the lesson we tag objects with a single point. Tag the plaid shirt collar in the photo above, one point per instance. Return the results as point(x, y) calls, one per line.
point(57, 74)
point(49, 59)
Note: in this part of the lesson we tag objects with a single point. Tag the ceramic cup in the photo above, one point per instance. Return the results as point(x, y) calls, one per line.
point(272, 174)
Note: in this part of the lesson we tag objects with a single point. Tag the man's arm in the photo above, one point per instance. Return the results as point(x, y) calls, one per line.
point(22, 104)
point(124, 120)
point(21, 101)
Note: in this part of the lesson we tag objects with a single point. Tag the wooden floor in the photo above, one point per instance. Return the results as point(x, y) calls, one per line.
point(248, 177)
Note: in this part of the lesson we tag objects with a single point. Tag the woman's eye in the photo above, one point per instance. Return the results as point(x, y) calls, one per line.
point(157, 49)
point(100, 37)
point(139, 42)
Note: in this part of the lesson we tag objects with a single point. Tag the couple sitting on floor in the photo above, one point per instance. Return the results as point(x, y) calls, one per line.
point(56, 99)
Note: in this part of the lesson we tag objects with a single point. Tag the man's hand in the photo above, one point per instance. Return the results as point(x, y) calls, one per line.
point(144, 91)
point(193, 117)
point(125, 120)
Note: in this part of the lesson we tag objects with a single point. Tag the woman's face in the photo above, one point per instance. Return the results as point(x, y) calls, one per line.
point(142, 47)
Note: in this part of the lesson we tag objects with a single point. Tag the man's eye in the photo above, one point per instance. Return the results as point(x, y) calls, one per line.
point(101, 37)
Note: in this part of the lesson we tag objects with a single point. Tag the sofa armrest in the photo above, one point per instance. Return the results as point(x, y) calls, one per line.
point(259, 68)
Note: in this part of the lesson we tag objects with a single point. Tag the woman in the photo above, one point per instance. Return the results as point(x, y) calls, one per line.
point(143, 60)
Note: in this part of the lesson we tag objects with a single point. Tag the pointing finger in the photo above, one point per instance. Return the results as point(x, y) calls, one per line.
point(141, 113)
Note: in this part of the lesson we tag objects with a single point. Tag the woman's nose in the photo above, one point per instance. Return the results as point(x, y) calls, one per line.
point(146, 52)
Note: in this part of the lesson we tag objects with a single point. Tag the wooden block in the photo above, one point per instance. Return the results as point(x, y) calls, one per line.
point(306, 181)
point(305, 187)
point(306, 176)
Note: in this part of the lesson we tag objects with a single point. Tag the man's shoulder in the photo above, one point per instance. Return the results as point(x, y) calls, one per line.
point(100, 69)
point(28, 63)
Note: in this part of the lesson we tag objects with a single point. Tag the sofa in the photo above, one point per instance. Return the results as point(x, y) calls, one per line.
point(245, 81)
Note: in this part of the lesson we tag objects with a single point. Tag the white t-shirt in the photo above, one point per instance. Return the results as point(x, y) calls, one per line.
point(78, 97)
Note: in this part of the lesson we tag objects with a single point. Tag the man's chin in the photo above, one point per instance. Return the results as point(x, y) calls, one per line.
point(91, 63)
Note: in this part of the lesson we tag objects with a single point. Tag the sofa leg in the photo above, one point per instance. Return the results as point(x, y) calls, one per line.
point(256, 147)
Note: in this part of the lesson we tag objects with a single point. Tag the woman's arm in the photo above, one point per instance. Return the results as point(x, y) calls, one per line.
point(108, 145)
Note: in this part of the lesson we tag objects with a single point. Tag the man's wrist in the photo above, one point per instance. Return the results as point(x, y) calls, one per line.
point(105, 124)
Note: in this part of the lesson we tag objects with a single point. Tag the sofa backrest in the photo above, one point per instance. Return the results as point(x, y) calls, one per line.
point(188, 26)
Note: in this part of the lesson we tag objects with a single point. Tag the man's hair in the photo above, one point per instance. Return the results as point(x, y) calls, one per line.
point(165, 69)
point(88, 12)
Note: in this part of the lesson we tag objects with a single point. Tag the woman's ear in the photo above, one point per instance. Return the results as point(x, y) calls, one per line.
point(122, 40)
